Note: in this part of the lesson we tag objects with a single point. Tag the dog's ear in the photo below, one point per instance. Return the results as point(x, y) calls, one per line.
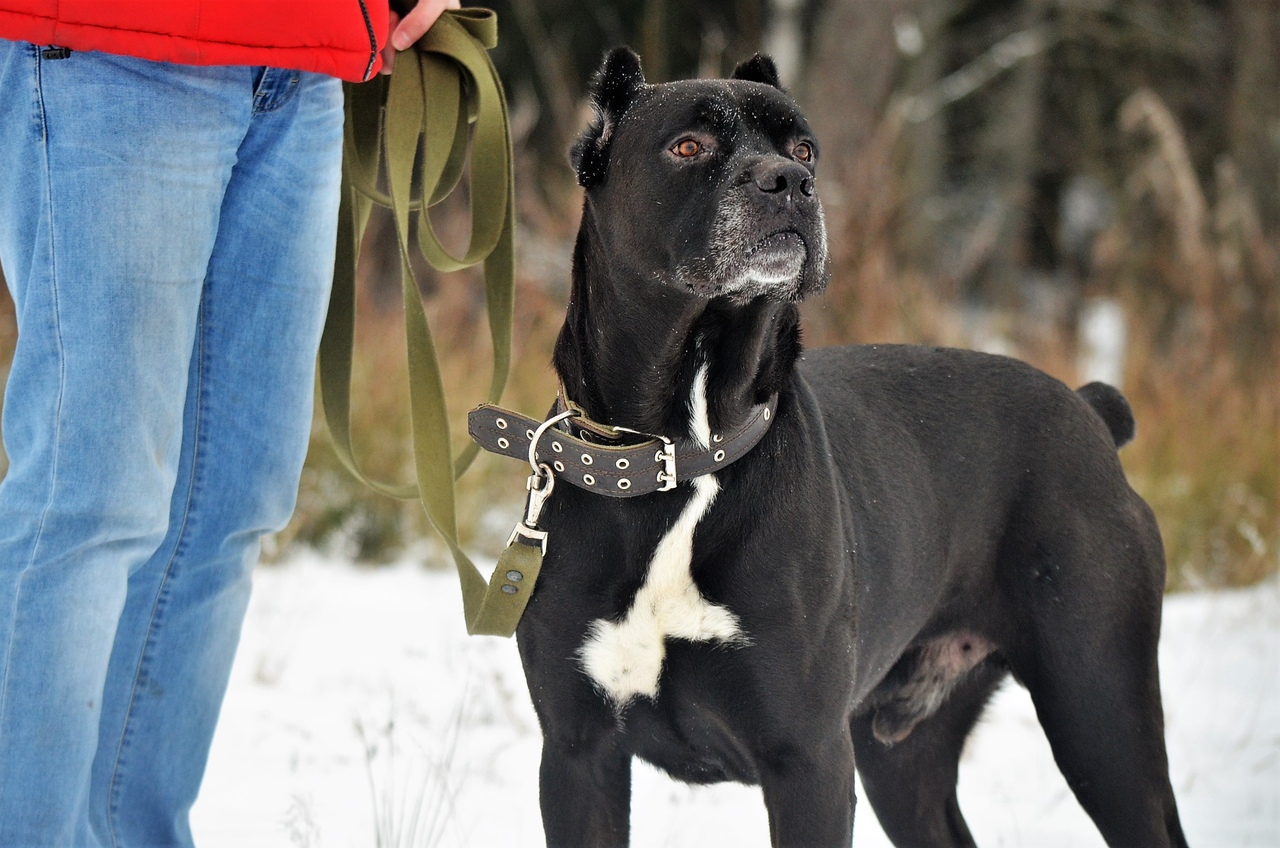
point(759, 68)
point(617, 83)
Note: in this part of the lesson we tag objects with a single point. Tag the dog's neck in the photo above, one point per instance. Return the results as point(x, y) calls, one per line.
point(631, 348)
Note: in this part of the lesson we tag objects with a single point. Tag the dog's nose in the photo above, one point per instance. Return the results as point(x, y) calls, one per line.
point(778, 176)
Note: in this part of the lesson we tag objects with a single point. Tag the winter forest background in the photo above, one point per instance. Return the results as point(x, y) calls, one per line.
point(1091, 185)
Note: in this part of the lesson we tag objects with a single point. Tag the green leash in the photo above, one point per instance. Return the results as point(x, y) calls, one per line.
point(444, 93)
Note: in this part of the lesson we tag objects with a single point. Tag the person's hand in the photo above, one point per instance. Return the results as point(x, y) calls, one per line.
point(413, 26)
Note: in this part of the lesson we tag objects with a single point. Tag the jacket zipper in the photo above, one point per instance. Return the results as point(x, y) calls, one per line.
point(373, 40)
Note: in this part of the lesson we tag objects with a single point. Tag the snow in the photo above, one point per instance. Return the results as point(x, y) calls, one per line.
point(360, 714)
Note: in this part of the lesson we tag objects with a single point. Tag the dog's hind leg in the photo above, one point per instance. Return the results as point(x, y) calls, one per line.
point(912, 784)
point(1089, 624)
point(584, 790)
point(1104, 721)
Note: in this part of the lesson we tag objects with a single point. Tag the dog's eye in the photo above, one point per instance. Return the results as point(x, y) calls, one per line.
point(686, 148)
point(803, 152)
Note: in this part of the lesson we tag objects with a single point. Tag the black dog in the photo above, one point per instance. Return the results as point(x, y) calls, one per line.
point(914, 524)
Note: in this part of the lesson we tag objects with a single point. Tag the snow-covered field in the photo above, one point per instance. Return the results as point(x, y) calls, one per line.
point(359, 707)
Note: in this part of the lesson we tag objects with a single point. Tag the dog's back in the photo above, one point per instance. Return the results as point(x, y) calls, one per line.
point(958, 464)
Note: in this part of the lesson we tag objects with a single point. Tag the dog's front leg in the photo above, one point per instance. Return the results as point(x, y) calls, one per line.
point(810, 798)
point(585, 793)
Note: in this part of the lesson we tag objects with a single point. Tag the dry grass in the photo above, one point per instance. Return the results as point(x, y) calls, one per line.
point(1199, 279)
point(1207, 455)
point(1206, 395)
point(1207, 459)
point(1194, 264)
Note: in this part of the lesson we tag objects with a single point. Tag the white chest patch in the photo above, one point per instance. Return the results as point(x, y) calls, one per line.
point(625, 657)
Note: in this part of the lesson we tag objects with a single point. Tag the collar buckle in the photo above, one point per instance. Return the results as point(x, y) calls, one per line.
point(667, 456)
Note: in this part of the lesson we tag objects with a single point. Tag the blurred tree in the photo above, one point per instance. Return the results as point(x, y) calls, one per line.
point(986, 134)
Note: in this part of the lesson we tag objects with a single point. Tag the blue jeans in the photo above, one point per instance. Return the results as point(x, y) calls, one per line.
point(167, 234)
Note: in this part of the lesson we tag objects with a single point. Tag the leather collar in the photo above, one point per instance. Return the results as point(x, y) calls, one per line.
point(605, 459)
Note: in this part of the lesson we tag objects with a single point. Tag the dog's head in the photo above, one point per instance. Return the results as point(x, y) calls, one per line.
point(706, 185)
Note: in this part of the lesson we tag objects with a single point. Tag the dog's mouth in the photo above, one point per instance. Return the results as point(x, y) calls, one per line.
point(777, 258)
point(787, 264)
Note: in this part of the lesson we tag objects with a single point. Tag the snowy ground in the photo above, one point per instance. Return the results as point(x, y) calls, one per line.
point(358, 707)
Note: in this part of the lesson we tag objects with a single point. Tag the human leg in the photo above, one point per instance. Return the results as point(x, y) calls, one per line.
point(248, 417)
point(113, 181)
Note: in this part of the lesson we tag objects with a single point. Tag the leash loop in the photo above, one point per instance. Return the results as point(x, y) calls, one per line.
point(444, 99)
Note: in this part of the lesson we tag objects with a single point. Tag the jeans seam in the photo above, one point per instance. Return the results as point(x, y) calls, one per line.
point(62, 362)
point(157, 610)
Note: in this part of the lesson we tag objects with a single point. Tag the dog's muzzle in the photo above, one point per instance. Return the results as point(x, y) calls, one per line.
point(768, 238)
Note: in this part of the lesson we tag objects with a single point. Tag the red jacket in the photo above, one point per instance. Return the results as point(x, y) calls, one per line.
point(342, 38)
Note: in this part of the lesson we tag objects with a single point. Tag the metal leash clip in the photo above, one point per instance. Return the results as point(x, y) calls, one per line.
point(540, 485)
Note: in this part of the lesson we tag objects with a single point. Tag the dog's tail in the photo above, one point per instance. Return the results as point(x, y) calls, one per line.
point(1113, 409)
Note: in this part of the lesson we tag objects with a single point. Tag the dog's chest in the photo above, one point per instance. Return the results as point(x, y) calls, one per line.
point(625, 657)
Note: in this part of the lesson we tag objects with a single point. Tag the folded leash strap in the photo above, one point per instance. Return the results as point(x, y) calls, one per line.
point(444, 93)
